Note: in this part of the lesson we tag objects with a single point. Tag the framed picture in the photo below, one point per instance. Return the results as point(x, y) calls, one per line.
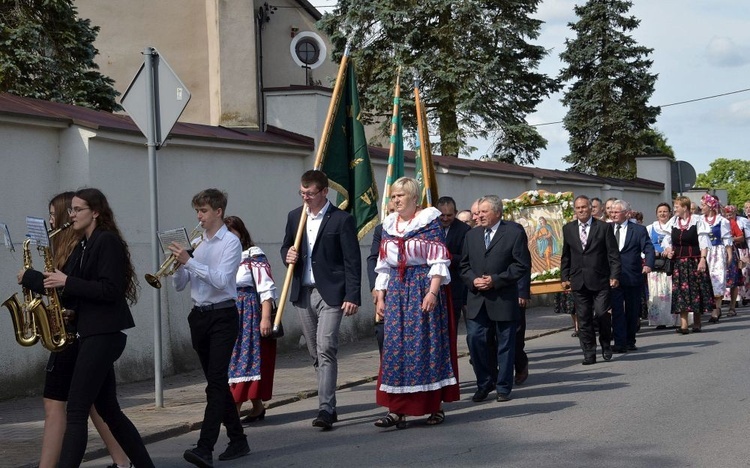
point(542, 215)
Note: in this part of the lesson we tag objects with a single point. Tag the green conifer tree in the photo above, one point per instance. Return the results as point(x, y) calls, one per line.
point(47, 52)
point(609, 87)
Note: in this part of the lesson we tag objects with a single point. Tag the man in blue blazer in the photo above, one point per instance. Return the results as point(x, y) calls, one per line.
point(495, 258)
point(326, 283)
point(590, 265)
point(634, 245)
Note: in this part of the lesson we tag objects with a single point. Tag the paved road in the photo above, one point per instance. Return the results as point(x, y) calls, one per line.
point(679, 401)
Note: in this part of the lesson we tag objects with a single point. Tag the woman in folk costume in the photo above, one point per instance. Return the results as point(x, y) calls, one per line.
point(418, 369)
point(720, 250)
point(253, 362)
point(735, 279)
point(687, 243)
point(659, 282)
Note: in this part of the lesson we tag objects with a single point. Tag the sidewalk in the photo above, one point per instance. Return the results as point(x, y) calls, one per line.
point(22, 420)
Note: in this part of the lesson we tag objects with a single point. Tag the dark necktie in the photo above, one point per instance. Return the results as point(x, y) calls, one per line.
point(617, 235)
point(487, 237)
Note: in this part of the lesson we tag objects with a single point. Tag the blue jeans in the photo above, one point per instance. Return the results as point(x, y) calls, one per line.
point(492, 366)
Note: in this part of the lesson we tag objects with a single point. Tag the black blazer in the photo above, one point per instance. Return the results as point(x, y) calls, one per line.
point(454, 241)
point(336, 261)
point(594, 267)
point(372, 259)
point(96, 284)
point(507, 261)
point(637, 241)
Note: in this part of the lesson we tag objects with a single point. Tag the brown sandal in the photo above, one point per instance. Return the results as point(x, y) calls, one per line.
point(436, 418)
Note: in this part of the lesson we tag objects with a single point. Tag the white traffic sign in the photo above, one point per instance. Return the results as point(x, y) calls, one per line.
point(169, 100)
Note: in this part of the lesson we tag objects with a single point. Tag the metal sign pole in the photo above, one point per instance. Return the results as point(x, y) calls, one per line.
point(150, 56)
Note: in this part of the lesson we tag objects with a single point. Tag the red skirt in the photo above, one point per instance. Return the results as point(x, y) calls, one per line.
point(263, 388)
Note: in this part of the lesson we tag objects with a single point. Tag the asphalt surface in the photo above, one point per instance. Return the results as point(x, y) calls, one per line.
point(677, 401)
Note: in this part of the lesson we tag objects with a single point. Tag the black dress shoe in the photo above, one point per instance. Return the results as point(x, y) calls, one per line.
point(199, 457)
point(587, 361)
point(522, 376)
point(619, 349)
point(480, 395)
point(632, 347)
point(324, 420)
point(235, 450)
point(249, 419)
point(502, 398)
point(607, 352)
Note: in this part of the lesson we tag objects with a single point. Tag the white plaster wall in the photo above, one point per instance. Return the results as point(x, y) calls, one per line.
point(302, 112)
point(262, 180)
point(279, 69)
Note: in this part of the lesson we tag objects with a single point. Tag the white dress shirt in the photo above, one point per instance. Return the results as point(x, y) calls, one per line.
point(212, 271)
point(311, 229)
point(623, 233)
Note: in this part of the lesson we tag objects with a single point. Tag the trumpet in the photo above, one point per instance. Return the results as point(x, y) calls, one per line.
point(170, 265)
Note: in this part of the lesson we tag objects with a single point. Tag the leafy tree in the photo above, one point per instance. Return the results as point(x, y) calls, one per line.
point(656, 143)
point(608, 115)
point(474, 61)
point(46, 52)
point(733, 175)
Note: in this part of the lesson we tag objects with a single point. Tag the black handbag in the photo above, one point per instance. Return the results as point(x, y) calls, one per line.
point(663, 265)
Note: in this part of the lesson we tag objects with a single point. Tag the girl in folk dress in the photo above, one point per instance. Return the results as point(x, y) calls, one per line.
point(253, 361)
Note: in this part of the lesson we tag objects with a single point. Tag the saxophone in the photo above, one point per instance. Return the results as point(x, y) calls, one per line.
point(50, 318)
point(22, 315)
point(34, 320)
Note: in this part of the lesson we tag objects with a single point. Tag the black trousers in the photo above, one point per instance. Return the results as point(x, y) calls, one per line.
point(590, 306)
point(213, 334)
point(94, 384)
point(521, 360)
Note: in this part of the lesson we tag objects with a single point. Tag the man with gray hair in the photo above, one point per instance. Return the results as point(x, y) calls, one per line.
point(634, 244)
point(495, 257)
point(590, 265)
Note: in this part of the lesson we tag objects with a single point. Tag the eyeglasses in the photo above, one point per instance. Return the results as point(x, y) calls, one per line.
point(308, 194)
point(77, 209)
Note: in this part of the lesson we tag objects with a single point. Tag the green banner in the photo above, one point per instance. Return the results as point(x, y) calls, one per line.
point(347, 160)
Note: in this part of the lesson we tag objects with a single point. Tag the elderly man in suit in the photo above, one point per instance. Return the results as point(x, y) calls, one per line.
point(590, 265)
point(495, 257)
point(634, 244)
point(455, 231)
point(326, 282)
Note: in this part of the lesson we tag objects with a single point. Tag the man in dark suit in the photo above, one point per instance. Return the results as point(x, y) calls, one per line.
point(326, 284)
point(495, 257)
point(590, 265)
point(633, 242)
point(455, 231)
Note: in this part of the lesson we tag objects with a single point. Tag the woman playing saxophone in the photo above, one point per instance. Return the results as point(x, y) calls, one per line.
point(59, 371)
